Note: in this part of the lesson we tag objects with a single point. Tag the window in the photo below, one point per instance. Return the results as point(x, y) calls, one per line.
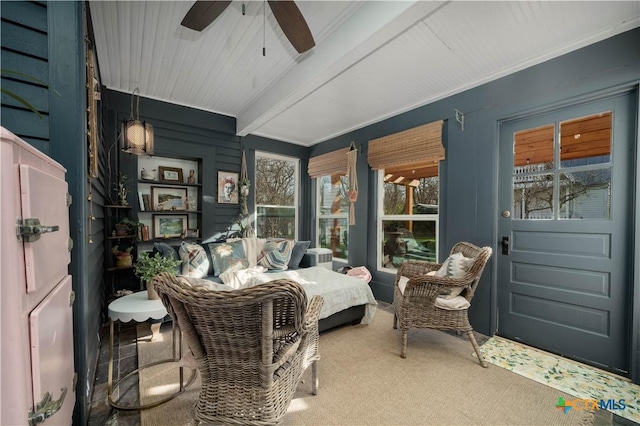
point(333, 215)
point(408, 193)
point(276, 192)
point(563, 177)
point(407, 216)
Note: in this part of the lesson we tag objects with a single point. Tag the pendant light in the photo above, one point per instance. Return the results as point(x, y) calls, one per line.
point(136, 136)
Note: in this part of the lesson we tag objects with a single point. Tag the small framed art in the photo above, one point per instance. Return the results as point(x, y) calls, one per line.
point(171, 174)
point(166, 198)
point(170, 226)
point(227, 188)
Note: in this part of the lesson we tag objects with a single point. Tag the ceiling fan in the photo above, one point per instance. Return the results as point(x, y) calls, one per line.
point(289, 17)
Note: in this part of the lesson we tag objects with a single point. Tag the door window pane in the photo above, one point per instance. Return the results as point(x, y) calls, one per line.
point(585, 194)
point(533, 196)
point(533, 149)
point(586, 140)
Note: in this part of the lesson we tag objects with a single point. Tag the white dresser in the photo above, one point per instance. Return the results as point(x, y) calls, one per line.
point(37, 374)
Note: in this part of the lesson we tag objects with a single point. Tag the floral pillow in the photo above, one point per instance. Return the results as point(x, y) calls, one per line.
point(228, 256)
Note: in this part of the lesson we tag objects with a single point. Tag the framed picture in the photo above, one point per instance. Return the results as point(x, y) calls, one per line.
point(165, 198)
point(192, 233)
point(170, 225)
point(171, 174)
point(227, 188)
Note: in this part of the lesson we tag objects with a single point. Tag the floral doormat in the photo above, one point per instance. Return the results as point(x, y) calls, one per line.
point(587, 384)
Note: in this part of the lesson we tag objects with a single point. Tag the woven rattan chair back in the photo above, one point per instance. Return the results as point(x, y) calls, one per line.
point(251, 346)
point(414, 308)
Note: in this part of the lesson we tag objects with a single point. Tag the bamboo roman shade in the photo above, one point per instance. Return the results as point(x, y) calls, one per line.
point(334, 162)
point(422, 144)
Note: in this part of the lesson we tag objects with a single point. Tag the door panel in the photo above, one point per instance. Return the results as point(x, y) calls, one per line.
point(565, 282)
point(43, 196)
point(51, 329)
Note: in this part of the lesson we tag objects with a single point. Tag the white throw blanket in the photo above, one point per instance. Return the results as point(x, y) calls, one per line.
point(339, 291)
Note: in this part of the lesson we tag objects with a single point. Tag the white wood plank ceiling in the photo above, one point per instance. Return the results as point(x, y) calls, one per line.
point(372, 59)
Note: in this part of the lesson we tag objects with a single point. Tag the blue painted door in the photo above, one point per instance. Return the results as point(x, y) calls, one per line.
point(564, 255)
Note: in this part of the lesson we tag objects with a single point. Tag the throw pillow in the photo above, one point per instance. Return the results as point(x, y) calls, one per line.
point(169, 252)
point(299, 248)
point(194, 260)
point(455, 266)
point(276, 254)
point(228, 256)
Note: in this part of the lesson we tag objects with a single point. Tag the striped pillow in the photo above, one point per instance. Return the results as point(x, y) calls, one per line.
point(276, 254)
point(194, 260)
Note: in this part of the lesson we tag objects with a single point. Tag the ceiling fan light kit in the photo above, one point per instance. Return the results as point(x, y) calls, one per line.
point(286, 12)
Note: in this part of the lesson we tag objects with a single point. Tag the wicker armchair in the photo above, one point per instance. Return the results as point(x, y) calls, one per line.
point(251, 346)
point(415, 307)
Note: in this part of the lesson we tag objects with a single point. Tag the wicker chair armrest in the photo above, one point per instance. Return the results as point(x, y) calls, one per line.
point(313, 312)
point(433, 285)
point(410, 268)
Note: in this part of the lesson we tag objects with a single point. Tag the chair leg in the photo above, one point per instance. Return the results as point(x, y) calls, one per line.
point(403, 351)
point(314, 377)
point(476, 348)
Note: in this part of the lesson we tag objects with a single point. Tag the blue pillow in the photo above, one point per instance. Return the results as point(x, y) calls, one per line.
point(169, 252)
point(297, 253)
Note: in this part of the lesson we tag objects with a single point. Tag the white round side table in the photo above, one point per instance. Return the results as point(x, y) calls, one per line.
point(137, 307)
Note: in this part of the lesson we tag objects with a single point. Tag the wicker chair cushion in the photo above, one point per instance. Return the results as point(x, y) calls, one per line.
point(453, 304)
point(211, 285)
point(455, 266)
point(194, 260)
point(228, 256)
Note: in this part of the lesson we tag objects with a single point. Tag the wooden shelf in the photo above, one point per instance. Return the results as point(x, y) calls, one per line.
point(117, 206)
point(119, 268)
point(171, 211)
point(158, 183)
point(121, 237)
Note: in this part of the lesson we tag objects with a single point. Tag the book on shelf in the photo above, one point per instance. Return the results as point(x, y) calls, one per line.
point(141, 200)
point(145, 233)
point(146, 198)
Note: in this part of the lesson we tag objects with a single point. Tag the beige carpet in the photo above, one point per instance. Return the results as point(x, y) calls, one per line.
point(363, 381)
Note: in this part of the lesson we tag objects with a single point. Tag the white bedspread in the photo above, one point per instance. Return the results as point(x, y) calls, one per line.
point(339, 291)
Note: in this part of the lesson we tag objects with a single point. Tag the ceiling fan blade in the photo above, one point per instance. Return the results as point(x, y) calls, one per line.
point(202, 13)
point(293, 24)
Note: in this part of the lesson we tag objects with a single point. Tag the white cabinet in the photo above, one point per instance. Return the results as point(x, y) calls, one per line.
point(36, 321)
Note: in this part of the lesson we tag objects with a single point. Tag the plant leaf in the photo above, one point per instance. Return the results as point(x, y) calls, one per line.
point(22, 101)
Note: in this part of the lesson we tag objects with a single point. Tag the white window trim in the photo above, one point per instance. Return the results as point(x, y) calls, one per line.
point(327, 216)
point(381, 217)
point(296, 186)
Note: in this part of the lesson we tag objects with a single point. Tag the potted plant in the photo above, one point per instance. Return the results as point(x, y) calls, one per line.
point(127, 227)
point(123, 257)
point(147, 267)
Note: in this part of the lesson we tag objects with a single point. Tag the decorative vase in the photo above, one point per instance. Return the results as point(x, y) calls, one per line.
point(124, 260)
point(151, 291)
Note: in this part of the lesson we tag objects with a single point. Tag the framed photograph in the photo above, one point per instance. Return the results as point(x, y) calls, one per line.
point(165, 198)
point(192, 233)
point(227, 188)
point(170, 225)
point(171, 174)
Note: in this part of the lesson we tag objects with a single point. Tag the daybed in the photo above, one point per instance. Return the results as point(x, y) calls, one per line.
point(247, 262)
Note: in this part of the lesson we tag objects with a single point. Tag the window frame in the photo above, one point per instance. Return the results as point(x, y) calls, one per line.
point(381, 217)
point(320, 216)
point(296, 193)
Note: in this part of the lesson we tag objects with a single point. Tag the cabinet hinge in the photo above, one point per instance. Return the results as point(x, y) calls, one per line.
point(46, 408)
point(69, 199)
point(69, 244)
point(72, 297)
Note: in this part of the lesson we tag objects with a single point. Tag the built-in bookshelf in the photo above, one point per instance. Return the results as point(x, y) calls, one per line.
point(169, 200)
